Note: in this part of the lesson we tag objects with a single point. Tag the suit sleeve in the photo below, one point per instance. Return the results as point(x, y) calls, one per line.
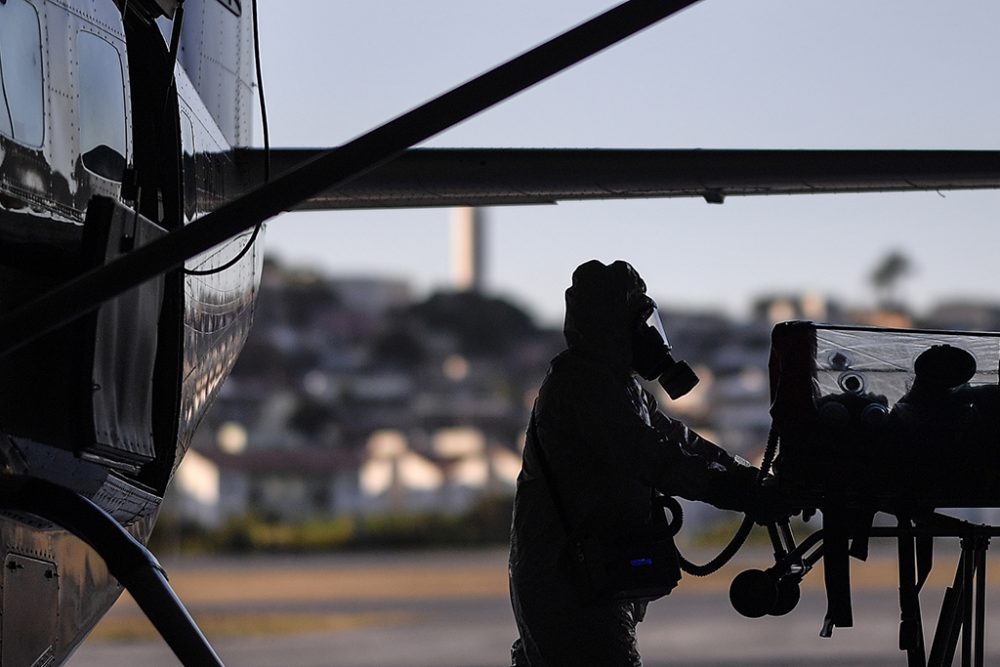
point(698, 469)
point(664, 454)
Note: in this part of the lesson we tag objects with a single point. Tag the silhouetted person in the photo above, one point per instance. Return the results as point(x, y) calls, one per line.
point(606, 448)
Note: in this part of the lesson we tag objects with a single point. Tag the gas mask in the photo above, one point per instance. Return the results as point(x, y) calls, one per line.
point(651, 357)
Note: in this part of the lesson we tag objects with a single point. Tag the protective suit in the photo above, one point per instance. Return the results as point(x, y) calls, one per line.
point(607, 447)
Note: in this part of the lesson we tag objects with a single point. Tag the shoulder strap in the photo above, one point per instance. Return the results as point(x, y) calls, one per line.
point(547, 474)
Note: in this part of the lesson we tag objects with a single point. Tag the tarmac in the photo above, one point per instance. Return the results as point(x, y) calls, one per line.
point(450, 609)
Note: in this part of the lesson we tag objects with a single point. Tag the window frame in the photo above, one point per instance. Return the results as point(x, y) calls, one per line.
point(83, 121)
point(37, 138)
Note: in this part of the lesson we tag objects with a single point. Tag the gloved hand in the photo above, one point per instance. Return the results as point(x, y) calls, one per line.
point(766, 504)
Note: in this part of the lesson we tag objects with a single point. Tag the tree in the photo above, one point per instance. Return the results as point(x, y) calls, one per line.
point(887, 274)
point(480, 324)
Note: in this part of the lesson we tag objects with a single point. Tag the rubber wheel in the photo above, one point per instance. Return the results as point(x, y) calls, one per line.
point(753, 593)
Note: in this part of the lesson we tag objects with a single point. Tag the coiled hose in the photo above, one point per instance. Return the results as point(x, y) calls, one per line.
point(742, 532)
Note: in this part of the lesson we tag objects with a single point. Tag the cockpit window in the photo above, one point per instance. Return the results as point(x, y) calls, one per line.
point(21, 115)
point(102, 107)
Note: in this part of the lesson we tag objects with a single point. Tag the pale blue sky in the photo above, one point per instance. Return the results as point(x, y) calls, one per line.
point(725, 73)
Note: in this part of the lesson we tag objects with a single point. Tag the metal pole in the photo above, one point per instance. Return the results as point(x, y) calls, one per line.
point(982, 543)
point(969, 565)
point(949, 622)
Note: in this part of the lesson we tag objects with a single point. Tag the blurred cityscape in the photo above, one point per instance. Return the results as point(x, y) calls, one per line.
point(355, 402)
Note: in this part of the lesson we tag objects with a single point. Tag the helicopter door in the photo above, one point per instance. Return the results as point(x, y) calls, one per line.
point(121, 339)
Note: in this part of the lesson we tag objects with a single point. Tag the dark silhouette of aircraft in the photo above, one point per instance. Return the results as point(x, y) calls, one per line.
point(130, 205)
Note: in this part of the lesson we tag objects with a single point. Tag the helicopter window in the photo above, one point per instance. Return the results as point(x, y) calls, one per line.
point(21, 114)
point(102, 107)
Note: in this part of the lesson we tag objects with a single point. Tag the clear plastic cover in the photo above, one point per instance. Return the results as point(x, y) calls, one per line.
point(887, 417)
point(881, 362)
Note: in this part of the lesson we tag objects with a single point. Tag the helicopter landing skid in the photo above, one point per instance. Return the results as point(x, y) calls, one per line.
point(127, 559)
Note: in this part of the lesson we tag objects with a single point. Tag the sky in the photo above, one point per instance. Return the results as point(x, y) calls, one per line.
point(723, 74)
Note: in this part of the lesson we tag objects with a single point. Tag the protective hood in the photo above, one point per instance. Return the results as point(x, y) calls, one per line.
point(601, 306)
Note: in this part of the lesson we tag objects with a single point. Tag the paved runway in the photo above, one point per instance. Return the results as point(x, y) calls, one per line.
point(451, 609)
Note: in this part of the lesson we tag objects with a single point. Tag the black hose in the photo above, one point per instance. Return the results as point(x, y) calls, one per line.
point(714, 565)
point(742, 532)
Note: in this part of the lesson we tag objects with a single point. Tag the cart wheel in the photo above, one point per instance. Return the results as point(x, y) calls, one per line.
point(789, 593)
point(753, 593)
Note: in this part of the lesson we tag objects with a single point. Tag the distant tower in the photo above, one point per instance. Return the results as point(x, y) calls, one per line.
point(468, 247)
